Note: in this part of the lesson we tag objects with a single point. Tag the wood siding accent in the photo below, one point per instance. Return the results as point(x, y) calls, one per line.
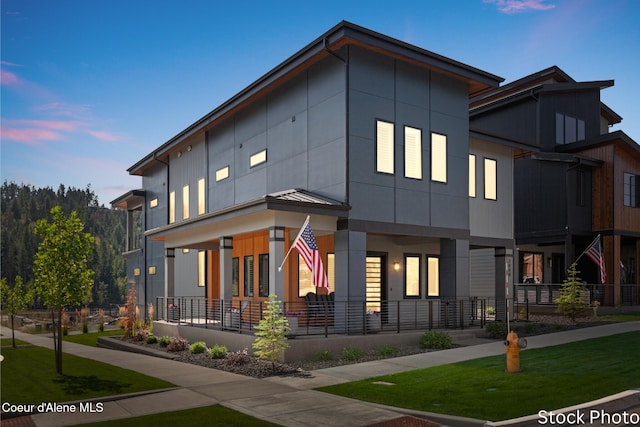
point(255, 243)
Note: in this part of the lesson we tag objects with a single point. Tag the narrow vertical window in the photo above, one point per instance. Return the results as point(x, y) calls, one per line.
point(235, 277)
point(412, 276)
point(412, 152)
point(384, 147)
point(570, 129)
point(263, 275)
point(438, 157)
point(248, 276)
point(559, 128)
point(433, 276)
point(201, 197)
point(185, 202)
point(202, 268)
point(331, 271)
point(305, 279)
point(490, 179)
point(172, 207)
point(472, 175)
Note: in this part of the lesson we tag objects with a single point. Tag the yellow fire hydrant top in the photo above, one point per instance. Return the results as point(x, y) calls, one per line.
point(513, 345)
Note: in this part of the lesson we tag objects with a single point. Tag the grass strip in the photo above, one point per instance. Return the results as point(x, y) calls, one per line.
point(551, 378)
point(29, 376)
point(209, 416)
point(91, 339)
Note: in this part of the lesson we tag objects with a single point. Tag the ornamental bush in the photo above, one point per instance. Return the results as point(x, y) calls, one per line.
point(237, 358)
point(435, 340)
point(218, 352)
point(178, 344)
point(198, 347)
point(164, 341)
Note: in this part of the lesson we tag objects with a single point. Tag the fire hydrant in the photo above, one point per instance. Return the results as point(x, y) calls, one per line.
point(513, 346)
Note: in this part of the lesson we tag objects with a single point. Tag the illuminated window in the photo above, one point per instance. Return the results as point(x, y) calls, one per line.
point(412, 152)
point(433, 276)
point(305, 278)
point(384, 147)
point(438, 157)
point(153, 203)
point(202, 268)
point(263, 275)
point(248, 276)
point(185, 202)
point(152, 270)
point(201, 201)
point(412, 275)
point(185, 250)
point(136, 271)
point(172, 207)
point(532, 267)
point(331, 271)
point(258, 158)
point(472, 175)
point(490, 179)
point(222, 173)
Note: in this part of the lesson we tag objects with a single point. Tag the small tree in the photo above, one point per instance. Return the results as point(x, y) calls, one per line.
point(570, 302)
point(271, 338)
point(61, 275)
point(14, 299)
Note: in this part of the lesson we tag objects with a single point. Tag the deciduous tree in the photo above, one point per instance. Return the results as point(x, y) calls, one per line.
point(61, 275)
point(14, 299)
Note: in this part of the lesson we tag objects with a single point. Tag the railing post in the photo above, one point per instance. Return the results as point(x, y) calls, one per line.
point(430, 314)
point(398, 315)
point(461, 303)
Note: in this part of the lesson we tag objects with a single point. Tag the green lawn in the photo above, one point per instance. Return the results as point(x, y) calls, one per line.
point(29, 376)
point(8, 342)
point(91, 339)
point(551, 378)
point(214, 416)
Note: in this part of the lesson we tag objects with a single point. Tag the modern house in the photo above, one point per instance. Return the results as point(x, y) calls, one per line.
point(581, 183)
point(367, 135)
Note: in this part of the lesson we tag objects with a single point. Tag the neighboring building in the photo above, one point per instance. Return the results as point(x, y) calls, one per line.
point(366, 134)
point(582, 182)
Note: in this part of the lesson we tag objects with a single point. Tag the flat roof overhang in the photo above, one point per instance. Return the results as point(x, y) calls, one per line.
point(278, 209)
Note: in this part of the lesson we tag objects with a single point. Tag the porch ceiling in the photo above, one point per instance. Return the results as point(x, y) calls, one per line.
point(283, 209)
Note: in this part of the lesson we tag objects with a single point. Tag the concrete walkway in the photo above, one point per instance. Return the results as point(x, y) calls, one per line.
point(288, 401)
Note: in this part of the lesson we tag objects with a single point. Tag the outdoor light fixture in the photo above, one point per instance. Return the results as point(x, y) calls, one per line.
point(396, 266)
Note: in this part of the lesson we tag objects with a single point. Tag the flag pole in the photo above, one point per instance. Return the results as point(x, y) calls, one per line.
point(585, 251)
point(304, 225)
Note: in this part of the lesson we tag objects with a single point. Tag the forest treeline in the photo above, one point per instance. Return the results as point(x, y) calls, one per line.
point(23, 206)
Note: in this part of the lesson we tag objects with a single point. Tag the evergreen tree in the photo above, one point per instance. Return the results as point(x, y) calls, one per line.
point(570, 302)
point(272, 333)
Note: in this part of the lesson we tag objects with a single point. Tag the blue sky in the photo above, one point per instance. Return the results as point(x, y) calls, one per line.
point(90, 87)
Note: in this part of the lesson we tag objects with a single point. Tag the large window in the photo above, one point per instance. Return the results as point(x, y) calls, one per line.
point(438, 157)
point(248, 276)
point(412, 153)
point(411, 276)
point(531, 267)
point(305, 278)
point(569, 129)
point(433, 276)
point(263, 275)
point(631, 192)
point(490, 179)
point(472, 175)
point(384, 147)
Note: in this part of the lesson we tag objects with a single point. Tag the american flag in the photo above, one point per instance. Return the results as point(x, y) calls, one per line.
point(594, 252)
point(306, 246)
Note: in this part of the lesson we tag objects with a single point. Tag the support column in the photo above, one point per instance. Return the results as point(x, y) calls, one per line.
point(504, 283)
point(350, 278)
point(226, 269)
point(276, 256)
point(169, 272)
point(454, 269)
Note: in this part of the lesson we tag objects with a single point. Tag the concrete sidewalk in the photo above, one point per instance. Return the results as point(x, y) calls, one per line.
point(287, 401)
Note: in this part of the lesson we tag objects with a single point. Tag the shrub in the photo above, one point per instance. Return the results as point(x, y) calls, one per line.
point(387, 350)
point(142, 335)
point(271, 335)
point(178, 344)
point(435, 340)
point(198, 347)
point(490, 311)
point(324, 355)
point(151, 339)
point(570, 301)
point(237, 358)
point(164, 341)
point(218, 352)
point(496, 330)
point(352, 354)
